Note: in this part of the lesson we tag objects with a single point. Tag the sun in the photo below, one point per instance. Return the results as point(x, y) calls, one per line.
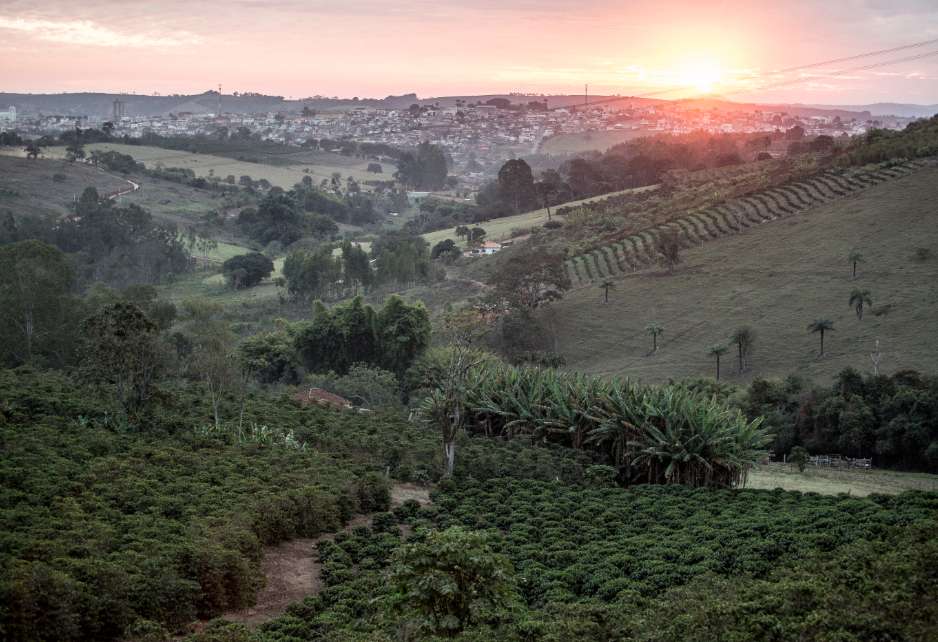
point(701, 75)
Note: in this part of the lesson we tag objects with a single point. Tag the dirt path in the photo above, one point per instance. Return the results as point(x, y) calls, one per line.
point(293, 572)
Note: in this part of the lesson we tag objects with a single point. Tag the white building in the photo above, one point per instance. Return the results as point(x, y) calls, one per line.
point(8, 116)
point(486, 248)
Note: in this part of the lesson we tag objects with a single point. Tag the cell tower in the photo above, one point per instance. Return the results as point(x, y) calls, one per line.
point(218, 111)
point(586, 95)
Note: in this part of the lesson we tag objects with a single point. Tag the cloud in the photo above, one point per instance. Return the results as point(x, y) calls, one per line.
point(88, 33)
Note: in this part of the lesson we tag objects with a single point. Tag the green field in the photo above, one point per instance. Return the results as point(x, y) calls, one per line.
point(211, 285)
point(37, 192)
point(285, 176)
point(831, 481)
point(28, 186)
point(172, 202)
point(499, 229)
point(590, 141)
point(776, 278)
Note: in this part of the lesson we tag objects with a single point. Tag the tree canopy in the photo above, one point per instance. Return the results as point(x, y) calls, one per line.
point(37, 310)
point(423, 169)
point(247, 270)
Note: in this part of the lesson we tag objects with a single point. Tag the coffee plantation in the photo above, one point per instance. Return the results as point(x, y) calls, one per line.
point(649, 563)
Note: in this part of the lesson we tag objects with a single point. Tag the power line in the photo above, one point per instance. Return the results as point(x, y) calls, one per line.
point(835, 73)
point(786, 70)
point(868, 54)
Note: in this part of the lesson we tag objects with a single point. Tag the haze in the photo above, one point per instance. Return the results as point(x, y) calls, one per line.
point(375, 48)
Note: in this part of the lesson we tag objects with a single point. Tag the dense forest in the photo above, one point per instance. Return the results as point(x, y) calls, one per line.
point(891, 419)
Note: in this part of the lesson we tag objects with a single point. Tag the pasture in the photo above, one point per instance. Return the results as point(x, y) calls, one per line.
point(210, 284)
point(590, 141)
point(833, 481)
point(499, 229)
point(172, 202)
point(281, 175)
point(777, 278)
point(50, 185)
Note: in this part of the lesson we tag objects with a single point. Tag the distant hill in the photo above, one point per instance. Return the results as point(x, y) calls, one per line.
point(891, 109)
point(576, 100)
point(101, 104)
point(97, 104)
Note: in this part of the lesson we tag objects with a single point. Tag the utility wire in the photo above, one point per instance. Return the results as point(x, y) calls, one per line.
point(787, 70)
point(834, 73)
point(868, 54)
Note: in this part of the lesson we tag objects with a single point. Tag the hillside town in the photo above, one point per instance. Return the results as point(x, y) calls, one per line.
point(477, 136)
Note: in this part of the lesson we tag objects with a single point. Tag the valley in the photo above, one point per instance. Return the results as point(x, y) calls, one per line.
point(456, 322)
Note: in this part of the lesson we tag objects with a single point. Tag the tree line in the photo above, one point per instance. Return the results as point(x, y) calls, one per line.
point(892, 419)
point(636, 163)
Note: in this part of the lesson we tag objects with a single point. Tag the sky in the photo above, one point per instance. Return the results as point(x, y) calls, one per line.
point(374, 48)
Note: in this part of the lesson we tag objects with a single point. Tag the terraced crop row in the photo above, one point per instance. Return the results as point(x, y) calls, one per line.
point(638, 250)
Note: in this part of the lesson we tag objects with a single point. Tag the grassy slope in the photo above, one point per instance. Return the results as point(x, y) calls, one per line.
point(171, 202)
point(831, 481)
point(165, 200)
point(590, 141)
point(499, 229)
point(37, 193)
point(210, 285)
point(282, 176)
point(776, 278)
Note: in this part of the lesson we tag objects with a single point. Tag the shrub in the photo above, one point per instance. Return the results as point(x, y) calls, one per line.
point(371, 388)
point(449, 579)
point(601, 476)
point(799, 457)
point(247, 270)
point(384, 523)
point(373, 492)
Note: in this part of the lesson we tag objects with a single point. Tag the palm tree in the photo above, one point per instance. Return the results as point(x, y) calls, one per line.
point(855, 257)
point(606, 286)
point(821, 326)
point(717, 351)
point(654, 330)
point(859, 298)
point(744, 337)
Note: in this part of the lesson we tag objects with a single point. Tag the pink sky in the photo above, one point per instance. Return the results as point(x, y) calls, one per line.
point(440, 47)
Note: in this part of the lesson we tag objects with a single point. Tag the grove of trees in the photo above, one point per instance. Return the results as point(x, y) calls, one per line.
point(107, 243)
point(891, 419)
point(423, 169)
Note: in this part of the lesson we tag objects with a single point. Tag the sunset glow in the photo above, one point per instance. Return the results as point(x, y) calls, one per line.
point(375, 48)
point(702, 75)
